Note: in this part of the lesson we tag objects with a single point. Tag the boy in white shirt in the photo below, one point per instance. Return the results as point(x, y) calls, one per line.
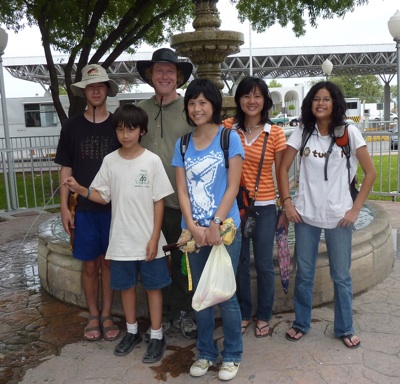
point(136, 182)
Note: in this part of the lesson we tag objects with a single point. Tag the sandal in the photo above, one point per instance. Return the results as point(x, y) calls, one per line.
point(113, 327)
point(349, 337)
point(92, 329)
point(260, 329)
point(289, 337)
point(245, 326)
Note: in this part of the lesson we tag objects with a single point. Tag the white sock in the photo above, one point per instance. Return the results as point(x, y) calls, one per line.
point(132, 328)
point(156, 334)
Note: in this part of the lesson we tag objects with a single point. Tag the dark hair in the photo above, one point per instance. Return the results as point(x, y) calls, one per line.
point(210, 92)
point(338, 107)
point(130, 116)
point(247, 85)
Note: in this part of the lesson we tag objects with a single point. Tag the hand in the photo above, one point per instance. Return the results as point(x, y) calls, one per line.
point(71, 184)
point(349, 218)
point(66, 220)
point(292, 214)
point(199, 235)
point(213, 235)
point(151, 250)
point(283, 221)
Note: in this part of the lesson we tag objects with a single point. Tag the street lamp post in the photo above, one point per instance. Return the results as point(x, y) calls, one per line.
point(327, 67)
point(10, 161)
point(394, 29)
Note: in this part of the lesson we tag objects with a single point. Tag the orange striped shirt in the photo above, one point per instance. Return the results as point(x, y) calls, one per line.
point(276, 142)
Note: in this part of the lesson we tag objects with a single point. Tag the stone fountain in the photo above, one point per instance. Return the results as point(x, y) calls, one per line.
point(207, 47)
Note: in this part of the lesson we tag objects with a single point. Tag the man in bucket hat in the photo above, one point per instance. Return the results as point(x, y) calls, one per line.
point(165, 73)
point(84, 141)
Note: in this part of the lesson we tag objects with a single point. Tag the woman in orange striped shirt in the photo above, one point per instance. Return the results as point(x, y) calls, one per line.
point(253, 102)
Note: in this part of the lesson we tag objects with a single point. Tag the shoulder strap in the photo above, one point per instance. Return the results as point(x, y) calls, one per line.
point(260, 166)
point(304, 138)
point(224, 142)
point(184, 144)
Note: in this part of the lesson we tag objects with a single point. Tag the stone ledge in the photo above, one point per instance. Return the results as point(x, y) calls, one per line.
point(372, 261)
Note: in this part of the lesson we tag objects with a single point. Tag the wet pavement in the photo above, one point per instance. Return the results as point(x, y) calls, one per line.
point(41, 337)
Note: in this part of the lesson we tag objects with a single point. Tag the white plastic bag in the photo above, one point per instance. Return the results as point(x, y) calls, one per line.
point(217, 281)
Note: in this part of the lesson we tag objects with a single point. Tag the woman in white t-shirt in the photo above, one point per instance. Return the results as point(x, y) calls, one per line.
point(323, 202)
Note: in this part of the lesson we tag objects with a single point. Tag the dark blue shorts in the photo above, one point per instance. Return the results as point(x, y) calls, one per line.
point(154, 274)
point(92, 230)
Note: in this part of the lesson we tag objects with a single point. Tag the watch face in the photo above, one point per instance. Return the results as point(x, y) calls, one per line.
point(217, 220)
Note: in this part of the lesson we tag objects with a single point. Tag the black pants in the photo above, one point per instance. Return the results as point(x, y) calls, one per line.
point(176, 296)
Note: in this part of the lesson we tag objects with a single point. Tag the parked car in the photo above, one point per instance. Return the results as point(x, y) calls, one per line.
point(394, 140)
point(393, 117)
point(280, 119)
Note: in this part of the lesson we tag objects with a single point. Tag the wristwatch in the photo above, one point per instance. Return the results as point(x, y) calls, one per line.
point(217, 220)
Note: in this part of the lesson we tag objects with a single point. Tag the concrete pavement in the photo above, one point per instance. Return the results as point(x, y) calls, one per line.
point(317, 358)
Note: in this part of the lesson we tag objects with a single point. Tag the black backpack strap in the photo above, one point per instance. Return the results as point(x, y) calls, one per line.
point(304, 138)
point(184, 144)
point(328, 153)
point(224, 142)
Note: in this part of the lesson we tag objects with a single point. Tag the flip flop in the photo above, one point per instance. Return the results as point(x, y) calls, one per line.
point(110, 328)
point(289, 337)
point(348, 337)
point(260, 329)
point(244, 327)
point(92, 329)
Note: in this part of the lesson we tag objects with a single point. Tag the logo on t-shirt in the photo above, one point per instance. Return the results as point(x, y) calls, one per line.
point(143, 179)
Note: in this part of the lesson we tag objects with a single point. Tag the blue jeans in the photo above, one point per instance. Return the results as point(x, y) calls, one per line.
point(230, 312)
point(263, 245)
point(338, 243)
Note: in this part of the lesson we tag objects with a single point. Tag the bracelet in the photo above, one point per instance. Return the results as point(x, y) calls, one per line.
point(88, 193)
point(289, 197)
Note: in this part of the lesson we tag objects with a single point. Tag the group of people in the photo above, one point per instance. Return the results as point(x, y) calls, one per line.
point(135, 185)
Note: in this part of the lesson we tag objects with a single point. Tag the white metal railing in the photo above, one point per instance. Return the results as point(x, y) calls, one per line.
point(36, 177)
point(33, 173)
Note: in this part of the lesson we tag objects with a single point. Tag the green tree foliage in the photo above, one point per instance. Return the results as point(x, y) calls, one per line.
point(265, 13)
point(366, 87)
point(91, 31)
point(274, 84)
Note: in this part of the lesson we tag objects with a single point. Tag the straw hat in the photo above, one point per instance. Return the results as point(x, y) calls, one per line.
point(164, 55)
point(94, 73)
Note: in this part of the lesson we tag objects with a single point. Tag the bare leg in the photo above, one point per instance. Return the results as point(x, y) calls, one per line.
point(107, 297)
point(155, 306)
point(90, 285)
point(128, 298)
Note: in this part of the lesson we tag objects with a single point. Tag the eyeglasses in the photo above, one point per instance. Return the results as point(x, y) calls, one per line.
point(325, 100)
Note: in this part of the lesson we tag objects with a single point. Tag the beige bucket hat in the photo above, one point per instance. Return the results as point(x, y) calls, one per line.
point(94, 73)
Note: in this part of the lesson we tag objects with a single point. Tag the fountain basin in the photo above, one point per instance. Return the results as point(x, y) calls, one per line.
point(372, 261)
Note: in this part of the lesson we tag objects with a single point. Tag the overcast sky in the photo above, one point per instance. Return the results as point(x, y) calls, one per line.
point(366, 25)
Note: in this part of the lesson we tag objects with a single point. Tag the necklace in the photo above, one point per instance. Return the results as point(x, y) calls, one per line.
point(250, 129)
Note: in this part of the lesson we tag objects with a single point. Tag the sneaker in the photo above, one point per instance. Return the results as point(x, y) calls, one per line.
point(127, 343)
point(155, 351)
point(166, 326)
point(200, 367)
point(187, 325)
point(228, 371)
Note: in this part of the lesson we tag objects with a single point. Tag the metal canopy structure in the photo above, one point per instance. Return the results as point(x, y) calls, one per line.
point(267, 63)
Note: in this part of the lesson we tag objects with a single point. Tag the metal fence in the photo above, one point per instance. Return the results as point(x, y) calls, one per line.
point(30, 177)
point(35, 176)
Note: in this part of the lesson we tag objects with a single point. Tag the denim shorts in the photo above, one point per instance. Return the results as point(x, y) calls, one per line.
point(154, 274)
point(92, 231)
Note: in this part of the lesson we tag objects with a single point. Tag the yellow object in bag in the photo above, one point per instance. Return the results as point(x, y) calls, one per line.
point(217, 281)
